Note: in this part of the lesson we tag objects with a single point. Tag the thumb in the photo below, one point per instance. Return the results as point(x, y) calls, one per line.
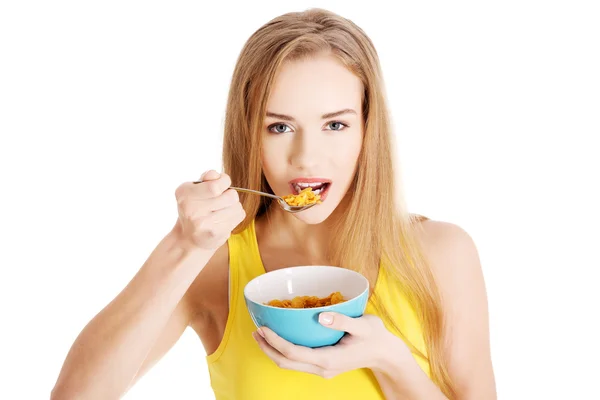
point(341, 322)
point(210, 175)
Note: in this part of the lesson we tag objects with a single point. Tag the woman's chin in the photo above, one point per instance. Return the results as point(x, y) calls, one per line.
point(314, 215)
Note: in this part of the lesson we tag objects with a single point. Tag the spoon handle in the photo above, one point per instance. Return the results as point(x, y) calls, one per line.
point(250, 191)
point(255, 192)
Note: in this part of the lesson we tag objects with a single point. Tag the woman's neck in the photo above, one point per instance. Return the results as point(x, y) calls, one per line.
point(281, 230)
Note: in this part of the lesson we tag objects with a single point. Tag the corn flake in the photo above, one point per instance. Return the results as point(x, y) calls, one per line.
point(308, 301)
point(304, 198)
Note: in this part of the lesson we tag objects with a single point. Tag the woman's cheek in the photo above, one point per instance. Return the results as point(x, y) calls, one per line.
point(348, 150)
point(274, 167)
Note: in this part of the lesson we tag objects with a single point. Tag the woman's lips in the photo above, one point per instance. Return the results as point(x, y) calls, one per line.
point(319, 186)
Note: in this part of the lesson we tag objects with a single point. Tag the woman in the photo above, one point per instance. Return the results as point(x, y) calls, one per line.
point(306, 108)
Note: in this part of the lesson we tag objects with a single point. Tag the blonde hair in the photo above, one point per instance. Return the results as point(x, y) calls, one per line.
point(373, 228)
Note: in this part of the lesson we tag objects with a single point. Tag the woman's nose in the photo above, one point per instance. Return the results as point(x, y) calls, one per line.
point(306, 151)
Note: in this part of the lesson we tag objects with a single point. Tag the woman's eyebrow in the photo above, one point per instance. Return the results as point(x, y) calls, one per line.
point(324, 116)
point(338, 113)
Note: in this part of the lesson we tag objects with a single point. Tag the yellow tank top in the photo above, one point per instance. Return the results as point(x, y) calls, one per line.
point(239, 370)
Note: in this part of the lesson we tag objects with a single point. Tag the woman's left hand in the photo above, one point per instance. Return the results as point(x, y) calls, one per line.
point(367, 344)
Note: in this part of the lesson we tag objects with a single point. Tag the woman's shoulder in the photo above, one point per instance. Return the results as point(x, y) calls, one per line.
point(451, 252)
point(437, 234)
point(454, 261)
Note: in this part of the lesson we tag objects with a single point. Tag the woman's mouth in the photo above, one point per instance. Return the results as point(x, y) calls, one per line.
point(318, 186)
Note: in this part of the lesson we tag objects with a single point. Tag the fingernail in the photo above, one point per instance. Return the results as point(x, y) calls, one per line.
point(261, 333)
point(326, 319)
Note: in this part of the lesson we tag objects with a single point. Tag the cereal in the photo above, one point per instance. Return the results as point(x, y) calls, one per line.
point(308, 301)
point(304, 198)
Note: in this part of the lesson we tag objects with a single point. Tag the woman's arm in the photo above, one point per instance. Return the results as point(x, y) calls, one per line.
point(455, 263)
point(398, 380)
point(152, 311)
point(368, 344)
point(108, 354)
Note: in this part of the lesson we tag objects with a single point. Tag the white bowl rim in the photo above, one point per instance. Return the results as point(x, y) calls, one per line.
point(361, 276)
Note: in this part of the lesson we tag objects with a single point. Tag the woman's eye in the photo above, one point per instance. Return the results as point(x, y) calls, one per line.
point(337, 126)
point(279, 128)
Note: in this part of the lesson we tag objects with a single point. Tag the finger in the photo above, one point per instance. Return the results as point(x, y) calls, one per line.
point(290, 350)
point(355, 326)
point(226, 217)
point(229, 198)
point(210, 175)
point(281, 361)
point(194, 209)
point(212, 188)
point(204, 190)
point(225, 200)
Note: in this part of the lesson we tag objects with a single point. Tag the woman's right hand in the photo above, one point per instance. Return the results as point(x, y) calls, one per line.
point(208, 211)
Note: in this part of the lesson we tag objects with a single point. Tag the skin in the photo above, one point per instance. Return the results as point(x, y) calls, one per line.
point(187, 273)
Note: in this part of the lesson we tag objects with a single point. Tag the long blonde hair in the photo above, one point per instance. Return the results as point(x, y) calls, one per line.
point(375, 230)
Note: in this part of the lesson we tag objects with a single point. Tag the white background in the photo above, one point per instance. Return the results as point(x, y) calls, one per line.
point(105, 107)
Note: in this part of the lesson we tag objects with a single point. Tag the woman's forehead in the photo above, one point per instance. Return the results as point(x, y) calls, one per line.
point(313, 87)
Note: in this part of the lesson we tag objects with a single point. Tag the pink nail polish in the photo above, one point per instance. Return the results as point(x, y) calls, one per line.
point(326, 319)
point(261, 333)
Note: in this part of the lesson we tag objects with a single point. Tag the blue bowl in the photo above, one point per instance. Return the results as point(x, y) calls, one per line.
point(301, 325)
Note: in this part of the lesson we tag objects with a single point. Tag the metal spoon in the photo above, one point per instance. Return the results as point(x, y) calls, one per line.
point(280, 200)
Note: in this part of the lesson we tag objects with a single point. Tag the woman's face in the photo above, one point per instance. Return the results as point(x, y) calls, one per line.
point(312, 132)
